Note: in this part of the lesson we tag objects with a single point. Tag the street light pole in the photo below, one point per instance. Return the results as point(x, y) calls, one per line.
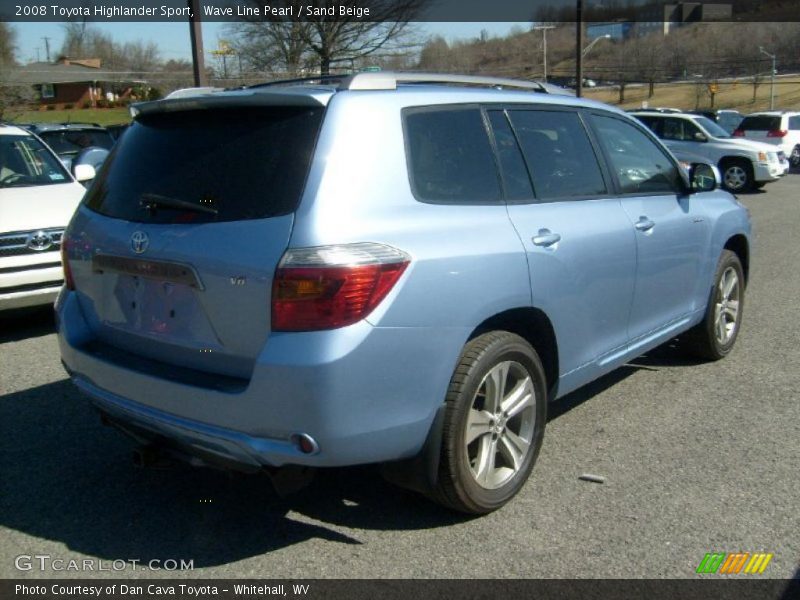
point(196, 34)
point(544, 29)
point(590, 46)
point(774, 58)
point(579, 50)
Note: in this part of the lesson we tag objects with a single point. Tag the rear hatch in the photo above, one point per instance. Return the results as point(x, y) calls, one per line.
point(760, 128)
point(174, 250)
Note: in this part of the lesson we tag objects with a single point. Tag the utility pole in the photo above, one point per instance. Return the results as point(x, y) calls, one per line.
point(196, 33)
point(544, 29)
point(774, 71)
point(47, 47)
point(579, 50)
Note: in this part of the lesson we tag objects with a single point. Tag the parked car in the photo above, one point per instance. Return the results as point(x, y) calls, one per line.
point(385, 268)
point(778, 128)
point(37, 198)
point(728, 119)
point(655, 109)
point(744, 165)
point(116, 131)
point(68, 140)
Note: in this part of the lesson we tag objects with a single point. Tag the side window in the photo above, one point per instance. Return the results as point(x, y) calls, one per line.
point(675, 129)
point(558, 153)
point(640, 165)
point(450, 158)
point(655, 124)
point(516, 180)
point(690, 131)
point(794, 123)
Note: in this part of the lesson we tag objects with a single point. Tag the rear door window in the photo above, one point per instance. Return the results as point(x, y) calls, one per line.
point(558, 153)
point(516, 179)
point(449, 156)
point(760, 123)
point(208, 165)
point(794, 123)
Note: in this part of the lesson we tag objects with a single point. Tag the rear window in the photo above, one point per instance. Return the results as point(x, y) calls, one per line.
point(760, 123)
point(72, 141)
point(449, 156)
point(208, 166)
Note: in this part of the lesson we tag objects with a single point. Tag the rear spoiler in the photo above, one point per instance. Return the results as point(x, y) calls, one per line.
point(214, 99)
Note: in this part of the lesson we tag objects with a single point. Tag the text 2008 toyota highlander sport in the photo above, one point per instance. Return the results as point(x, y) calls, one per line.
point(387, 269)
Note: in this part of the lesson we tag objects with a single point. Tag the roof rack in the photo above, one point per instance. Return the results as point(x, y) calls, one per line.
point(388, 80)
point(321, 80)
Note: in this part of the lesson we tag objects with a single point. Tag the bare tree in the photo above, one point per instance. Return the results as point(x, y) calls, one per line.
point(272, 48)
point(8, 43)
point(10, 93)
point(329, 39)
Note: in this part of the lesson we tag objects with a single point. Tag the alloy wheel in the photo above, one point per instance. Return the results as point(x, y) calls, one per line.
point(726, 309)
point(735, 177)
point(500, 425)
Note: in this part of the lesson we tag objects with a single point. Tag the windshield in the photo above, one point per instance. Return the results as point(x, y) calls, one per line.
point(25, 161)
point(70, 142)
point(711, 127)
point(240, 163)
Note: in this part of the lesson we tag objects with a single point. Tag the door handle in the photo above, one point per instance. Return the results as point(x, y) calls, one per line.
point(546, 238)
point(644, 224)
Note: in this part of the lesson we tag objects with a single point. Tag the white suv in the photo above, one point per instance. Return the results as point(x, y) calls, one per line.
point(779, 128)
point(744, 164)
point(37, 198)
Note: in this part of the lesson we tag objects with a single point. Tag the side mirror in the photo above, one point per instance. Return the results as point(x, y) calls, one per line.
point(703, 177)
point(700, 137)
point(85, 172)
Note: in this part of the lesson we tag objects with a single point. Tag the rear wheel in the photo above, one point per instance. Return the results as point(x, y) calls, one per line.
point(794, 157)
point(495, 414)
point(715, 336)
point(737, 174)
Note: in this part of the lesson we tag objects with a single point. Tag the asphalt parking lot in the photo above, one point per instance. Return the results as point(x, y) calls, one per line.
point(697, 458)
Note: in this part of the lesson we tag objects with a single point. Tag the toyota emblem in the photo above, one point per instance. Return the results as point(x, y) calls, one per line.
point(139, 242)
point(39, 241)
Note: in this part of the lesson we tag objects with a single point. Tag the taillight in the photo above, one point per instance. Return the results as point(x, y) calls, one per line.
point(68, 281)
point(333, 286)
point(738, 133)
point(777, 133)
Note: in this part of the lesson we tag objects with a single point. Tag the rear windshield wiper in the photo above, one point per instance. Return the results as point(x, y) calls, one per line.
point(153, 202)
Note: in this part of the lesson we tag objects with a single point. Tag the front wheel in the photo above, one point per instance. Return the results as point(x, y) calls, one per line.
point(496, 408)
point(737, 175)
point(715, 336)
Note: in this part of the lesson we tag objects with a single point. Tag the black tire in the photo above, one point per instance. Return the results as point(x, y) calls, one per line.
point(704, 340)
point(457, 486)
point(737, 174)
point(794, 157)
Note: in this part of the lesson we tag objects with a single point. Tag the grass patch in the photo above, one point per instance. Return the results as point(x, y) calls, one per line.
point(691, 96)
point(101, 116)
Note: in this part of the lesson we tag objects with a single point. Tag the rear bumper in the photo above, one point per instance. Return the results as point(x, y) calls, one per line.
point(364, 394)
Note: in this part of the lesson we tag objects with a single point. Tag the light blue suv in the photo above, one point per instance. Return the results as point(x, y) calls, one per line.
point(386, 268)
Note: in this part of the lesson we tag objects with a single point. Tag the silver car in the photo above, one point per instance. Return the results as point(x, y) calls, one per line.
point(744, 164)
